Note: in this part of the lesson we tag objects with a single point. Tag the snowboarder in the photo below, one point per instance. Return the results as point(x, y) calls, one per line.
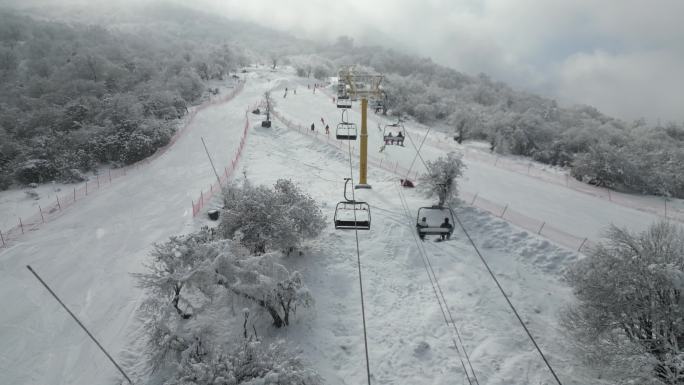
point(422, 224)
point(327, 129)
point(446, 225)
point(312, 127)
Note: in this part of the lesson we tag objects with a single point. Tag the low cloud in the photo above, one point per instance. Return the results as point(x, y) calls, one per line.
point(623, 56)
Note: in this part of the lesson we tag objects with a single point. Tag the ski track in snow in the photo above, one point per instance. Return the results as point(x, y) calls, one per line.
point(87, 256)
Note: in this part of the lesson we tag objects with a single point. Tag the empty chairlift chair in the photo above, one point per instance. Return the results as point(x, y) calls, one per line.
point(438, 221)
point(352, 215)
point(344, 102)
point(346, 131)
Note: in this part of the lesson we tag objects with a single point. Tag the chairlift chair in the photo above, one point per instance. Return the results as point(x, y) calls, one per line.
point(434, 218)
point(346, 131)
point(344, 102)
point(351, 214)
point(390, 139)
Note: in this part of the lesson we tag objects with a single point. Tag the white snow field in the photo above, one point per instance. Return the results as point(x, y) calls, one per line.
point(88, 253)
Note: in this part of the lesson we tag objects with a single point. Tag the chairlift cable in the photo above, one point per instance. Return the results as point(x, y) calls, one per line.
point(510, 304)
point(417, 149)
point(439, 295)
point(358, 261)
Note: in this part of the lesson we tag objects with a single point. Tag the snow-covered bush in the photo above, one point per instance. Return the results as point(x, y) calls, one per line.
point(441, 176)
point(266, 283)
point(270, 219)
point(35, 170)
point(250, 362)
point(631, 309)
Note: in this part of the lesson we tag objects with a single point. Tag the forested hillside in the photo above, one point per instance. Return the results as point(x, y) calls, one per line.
point(633, 156)
point(75, 83)
point(75, 95)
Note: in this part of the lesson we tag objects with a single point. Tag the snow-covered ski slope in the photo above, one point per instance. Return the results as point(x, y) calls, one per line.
point(89, 253)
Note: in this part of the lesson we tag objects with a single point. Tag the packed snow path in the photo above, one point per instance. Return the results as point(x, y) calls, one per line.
point(87, 256)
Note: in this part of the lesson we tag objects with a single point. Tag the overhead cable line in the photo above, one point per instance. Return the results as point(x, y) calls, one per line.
point(439, 295)
point(510, 304)
point(358, 260)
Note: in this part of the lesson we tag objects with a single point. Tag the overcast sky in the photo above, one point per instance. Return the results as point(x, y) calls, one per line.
point(625, 57)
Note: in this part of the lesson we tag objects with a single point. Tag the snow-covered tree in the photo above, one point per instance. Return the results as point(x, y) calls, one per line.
point(179, 266)
point(248, 363)
point(263, 218)
point(631, 305)
point(266, 283)
point(189, 284)
point(441, 176)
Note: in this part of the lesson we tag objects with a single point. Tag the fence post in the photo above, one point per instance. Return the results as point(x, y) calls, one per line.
point(583, 242)
point(58, 204)
point(2, 238)
point(474, 198)
point(665, 203)
point(201, 202)
point(74, 194)
point(41, 214)
point(86, 188)
point(110, 175)
point(98, 181)
point(541, 227)
point(503, 212)
point(609, 197)
point(529, 165)
point(21, 225)
point(496, 161)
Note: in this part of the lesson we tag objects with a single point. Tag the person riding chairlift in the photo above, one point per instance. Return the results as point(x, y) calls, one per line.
point(422, 224)
point(400, 139)
point(446, 225)
point(389, 139)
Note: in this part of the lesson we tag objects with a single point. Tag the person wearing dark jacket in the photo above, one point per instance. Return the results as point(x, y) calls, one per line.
point(446, 225)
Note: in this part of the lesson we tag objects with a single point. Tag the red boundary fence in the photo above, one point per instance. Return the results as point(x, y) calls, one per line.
point(659, 207)
point(505, 212)
point(227, 173)
point(69, 198)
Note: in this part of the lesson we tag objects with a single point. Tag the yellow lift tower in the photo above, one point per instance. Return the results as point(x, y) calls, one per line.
point(357, 85)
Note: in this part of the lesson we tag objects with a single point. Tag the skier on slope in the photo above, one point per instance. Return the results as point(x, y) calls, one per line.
point(327, 129)
point(312, 127)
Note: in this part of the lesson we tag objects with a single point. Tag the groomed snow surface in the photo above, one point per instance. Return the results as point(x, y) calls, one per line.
point(88, 253)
